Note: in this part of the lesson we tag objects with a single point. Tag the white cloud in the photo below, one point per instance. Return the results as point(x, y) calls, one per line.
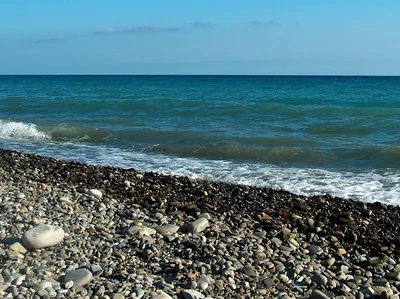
point(268, 23)
point(136, 29)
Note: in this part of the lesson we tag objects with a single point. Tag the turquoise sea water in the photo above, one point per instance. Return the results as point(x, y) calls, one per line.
point(306, 134)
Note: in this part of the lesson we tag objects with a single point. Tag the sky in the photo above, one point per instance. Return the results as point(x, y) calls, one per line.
point(233, 37)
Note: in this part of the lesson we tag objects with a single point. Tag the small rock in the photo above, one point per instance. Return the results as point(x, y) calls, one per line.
point(42, 293)
point(96, 193)
point(139, 292)
point(192, 294)
point(191, 206)
point(141, 230)
point(42, 236)
point(161, 295)
point(380, 289)
point(314, 248)
point(19, 280)
point(100, 291)
point(203, 285)
point(296, 217)
point(328, 262)
point(394, 275)
point(167, 229)
point(80, 277)
point(250, 271)
point(18, 247)
point(20, 195)
point(43, 285)
point(316, 294)
point(268, 282)
point(69, 284)
point(319, 279)
point(96, 269)
point(198, 226)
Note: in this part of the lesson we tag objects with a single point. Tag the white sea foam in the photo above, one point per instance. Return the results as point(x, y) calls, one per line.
point(20, 130)
point(365, 186)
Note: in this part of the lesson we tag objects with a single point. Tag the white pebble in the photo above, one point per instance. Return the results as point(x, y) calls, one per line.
point(42, 236)
point(96, 193)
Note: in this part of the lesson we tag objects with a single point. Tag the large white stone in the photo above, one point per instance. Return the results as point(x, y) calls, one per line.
point(42, 236)
point(95, 193)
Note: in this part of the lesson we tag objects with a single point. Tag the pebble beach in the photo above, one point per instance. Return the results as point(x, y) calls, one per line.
point(72, 230)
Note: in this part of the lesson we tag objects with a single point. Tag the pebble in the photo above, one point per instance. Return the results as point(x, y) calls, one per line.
point(394, 275)
point(203, 285)
point(96, 269)
point(96, 193)
point(69, 284)
point(198, 226)
point(314, 248)
point(141, 230)
point(317, 294)
point(20, 195)
point(79, 277)
point(100, 291)
point(161, 295)
point(167, 229)
point(42, 236)
point(320, 279)
point(250, 271)
point(139, 292)
point(192, 294)
point(329, 262)
point(18, 247)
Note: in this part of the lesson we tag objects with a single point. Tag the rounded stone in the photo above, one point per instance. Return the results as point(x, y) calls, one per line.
point(139, 292)
point(167, 228)
point(141, 230)
point(329, 262)
point(319, 279)
point(96, 193)
point(161, 295)
point(192, 294)
point(316, 294)
point(203, 285)
point(42, 236)
point(198, 226)
point(80, 277)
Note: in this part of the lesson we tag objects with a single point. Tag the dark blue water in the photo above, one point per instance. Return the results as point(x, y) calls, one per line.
point(309, 135)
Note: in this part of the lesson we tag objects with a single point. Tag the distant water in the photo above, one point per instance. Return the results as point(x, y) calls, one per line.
point(307, 135)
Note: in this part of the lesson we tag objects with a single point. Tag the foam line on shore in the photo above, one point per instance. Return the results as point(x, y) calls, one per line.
point(129, 232)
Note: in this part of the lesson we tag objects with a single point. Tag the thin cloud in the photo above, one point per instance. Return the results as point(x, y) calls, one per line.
point(137, 29)
point(47, 41)
point(268, 23)
point(202, 24)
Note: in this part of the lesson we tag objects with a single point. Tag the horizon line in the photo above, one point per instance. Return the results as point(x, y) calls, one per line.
point(265, 75)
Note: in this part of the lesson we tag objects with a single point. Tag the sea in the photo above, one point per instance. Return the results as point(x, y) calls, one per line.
point(310, 135)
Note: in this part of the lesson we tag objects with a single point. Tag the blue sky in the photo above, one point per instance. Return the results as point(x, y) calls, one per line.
point(337, 37)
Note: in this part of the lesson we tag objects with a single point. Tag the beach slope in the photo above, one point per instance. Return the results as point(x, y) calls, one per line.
point(122, 233)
